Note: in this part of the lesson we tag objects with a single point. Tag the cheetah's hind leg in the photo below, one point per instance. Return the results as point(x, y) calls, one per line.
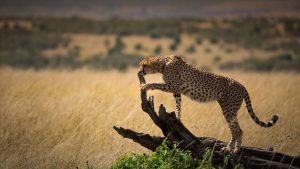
point(230, 109)
point(235, 143)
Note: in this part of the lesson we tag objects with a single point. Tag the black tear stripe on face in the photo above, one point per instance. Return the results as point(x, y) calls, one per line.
point(144, 70)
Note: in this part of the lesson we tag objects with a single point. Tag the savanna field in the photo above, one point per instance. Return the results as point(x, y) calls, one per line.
point(65, 82)
point(61, 119)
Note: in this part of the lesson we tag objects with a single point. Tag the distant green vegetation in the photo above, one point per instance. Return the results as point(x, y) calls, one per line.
point(284, 62)
point(27, 40)
point(173, 46)
point(207, 50)
point(114, 59)
point(153, 27)
point(138, 47)
point(168, 156)
point(249, 32)
point(157, 50)
point(29, 54)
point(176, 42)
point(217, 59)
point(199, 40)
point(191, 49)
point(22, 47)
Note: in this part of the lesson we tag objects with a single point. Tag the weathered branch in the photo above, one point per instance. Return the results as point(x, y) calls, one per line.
point(174, 130)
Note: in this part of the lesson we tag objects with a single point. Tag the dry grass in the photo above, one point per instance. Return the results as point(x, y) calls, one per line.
point(60, 119)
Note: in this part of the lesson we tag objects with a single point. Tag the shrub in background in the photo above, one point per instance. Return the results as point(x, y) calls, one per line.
point(275, 63)
point(217, 59)
point(191, 49)
point(207, 50)
point(138, 47)
point(157, 50)
point(106, 43)
point(173, 47)
point(228, 50)
point(119, 46)
point(214, 40)
point(199, 40)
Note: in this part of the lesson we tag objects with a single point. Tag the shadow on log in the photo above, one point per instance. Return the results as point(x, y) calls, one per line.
point(174, 130)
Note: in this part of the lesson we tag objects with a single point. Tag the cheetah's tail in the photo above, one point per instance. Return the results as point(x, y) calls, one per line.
point(254, 117)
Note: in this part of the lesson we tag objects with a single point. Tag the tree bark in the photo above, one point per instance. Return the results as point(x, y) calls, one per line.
point(174, 130)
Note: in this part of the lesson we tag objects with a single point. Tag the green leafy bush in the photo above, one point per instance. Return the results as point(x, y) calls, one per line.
point(168, 156)
point(164, 157)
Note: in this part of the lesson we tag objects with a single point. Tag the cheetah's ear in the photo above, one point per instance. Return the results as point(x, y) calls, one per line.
point(177, 57)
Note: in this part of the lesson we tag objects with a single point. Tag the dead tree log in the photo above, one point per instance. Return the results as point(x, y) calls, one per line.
point(174, 130)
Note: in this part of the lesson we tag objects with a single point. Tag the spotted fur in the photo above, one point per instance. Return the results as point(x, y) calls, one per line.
point(182, 78)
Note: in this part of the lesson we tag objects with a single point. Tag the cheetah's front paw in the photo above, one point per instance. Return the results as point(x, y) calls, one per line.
point(227, 149)
point(178, 115)
point(236, 150)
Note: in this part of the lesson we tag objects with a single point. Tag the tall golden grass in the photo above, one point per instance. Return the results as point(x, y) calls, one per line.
point(61, 119)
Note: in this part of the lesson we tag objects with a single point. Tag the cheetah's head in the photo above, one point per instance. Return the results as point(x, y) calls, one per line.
point(152, 65)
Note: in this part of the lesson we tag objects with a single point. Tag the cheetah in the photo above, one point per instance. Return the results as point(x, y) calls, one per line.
point(182, 78)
